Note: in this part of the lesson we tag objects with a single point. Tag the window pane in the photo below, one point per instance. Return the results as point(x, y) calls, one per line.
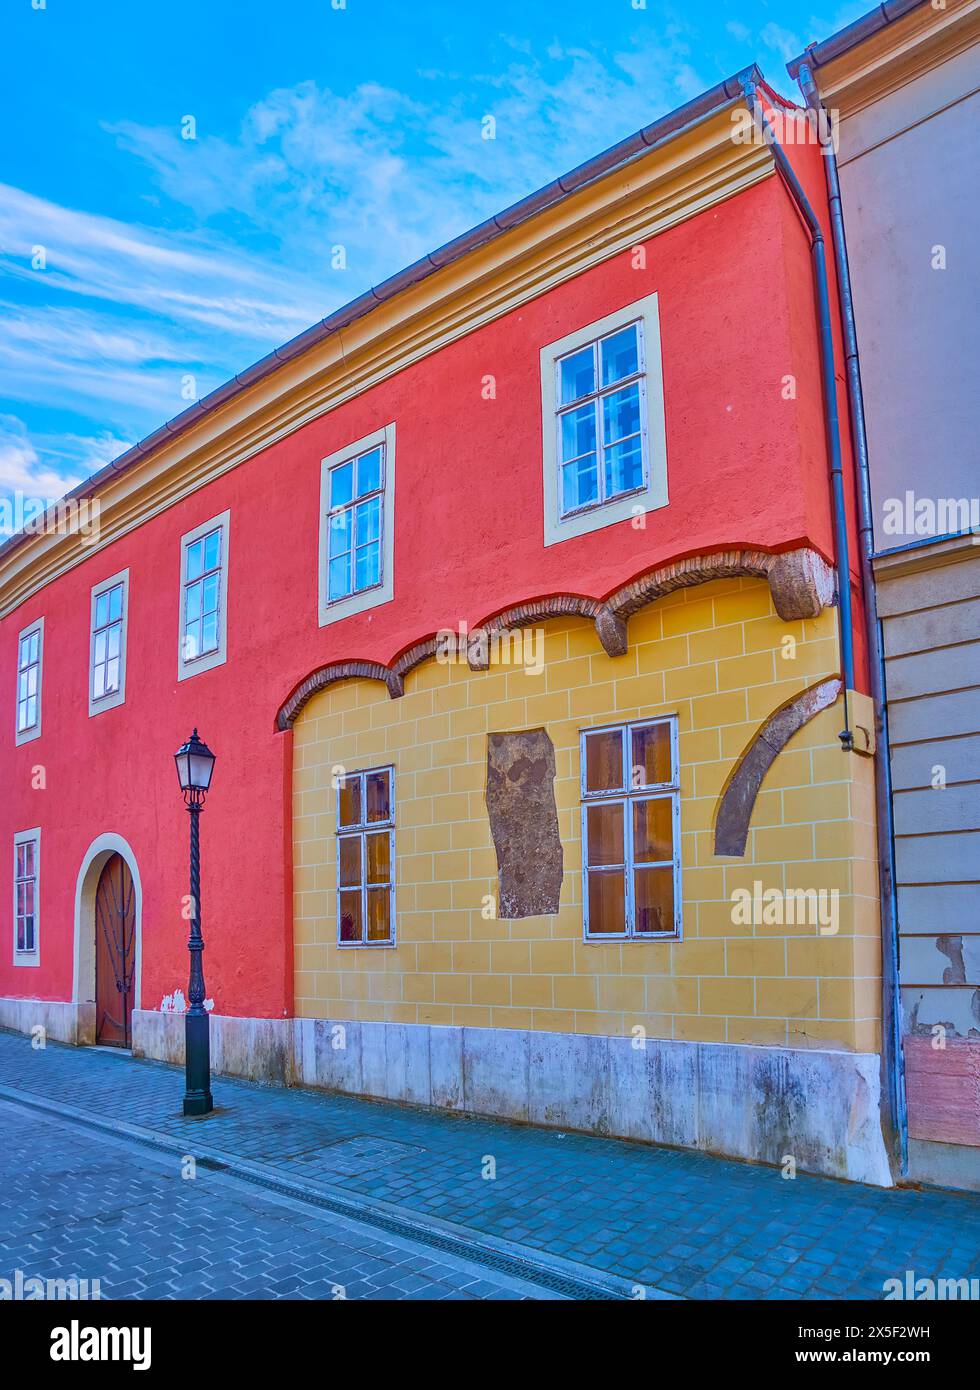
point(212, 550)
point(577, 375)
point(579, 483)
point(349, 871)
point(350, 801)
point(350, 916)
point(209, 633)
point(624, 466)
point(605, 829)
point(339, 583)
point(21, 899)
point(210, 588)
point(115, 604)
point(340, 532)
point(621, 414)
point(379, 914)
point(32, 680)
point(378, 796)
point(604, 761)
point(98, 682)
point(620, 356)
point(101, 610)
point(654, 890)
point(369, 472)
point(30, 712)
point(607, 902)
point(379, 857)
point(578, 432)
point(650, 756)
point(653, 832)
point(28, 849)
point(192, 641)
point(193, 603)
point(341, 485)
point(21, 934)
point(33, 646)
point(114, 640)
point(112, 675)
point(195, 559)
point(100, 646)
point(20, 860)
point(29, 937)
point(367, 567)
point(369, 521)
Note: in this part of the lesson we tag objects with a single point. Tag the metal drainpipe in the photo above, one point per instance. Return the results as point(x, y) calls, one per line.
point(892, 1053)
point(828, 380)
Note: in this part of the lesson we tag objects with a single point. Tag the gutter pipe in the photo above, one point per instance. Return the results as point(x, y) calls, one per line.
point(893, 1059)
point(748, 79)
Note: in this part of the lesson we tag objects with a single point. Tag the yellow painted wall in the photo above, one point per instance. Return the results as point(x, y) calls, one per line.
point(713, 656)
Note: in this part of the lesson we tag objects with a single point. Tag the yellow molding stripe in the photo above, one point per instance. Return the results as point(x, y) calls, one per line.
point(897, 54)
point(697, 169)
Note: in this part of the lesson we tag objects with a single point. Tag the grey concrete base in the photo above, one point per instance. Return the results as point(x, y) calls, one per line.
point(259, 1049)
point(62, 1022)
point(944, 1165)
point(820, 1108)
point(769, 1104)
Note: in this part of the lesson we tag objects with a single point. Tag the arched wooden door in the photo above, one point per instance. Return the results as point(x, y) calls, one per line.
point(115, 952)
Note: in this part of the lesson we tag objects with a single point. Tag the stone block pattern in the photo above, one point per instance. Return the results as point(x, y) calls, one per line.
point(715, 655)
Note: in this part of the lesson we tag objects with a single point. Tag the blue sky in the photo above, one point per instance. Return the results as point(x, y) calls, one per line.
point(168, 258)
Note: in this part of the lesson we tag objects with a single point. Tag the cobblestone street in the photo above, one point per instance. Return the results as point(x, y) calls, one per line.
point(566, 1210)
point(77, 1205)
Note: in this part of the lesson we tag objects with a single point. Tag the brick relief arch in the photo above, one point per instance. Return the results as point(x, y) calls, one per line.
point(801, 584)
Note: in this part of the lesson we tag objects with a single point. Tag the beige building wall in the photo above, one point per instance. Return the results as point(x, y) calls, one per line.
point(719, 658)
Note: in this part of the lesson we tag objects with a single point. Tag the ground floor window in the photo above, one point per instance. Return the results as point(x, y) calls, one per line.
point(27, 863)
point(366, 857)
point(631, 830)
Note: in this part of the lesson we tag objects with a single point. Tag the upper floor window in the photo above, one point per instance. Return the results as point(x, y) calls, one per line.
point(107, 661)
point(30, 659)
point(631, 831)
point(366, 858)
point(357, 492)
point(600, 392)
point(27, 863)
point(605, 443)
point(204, 597)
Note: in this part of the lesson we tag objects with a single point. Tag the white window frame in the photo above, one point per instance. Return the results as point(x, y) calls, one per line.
point(625, 795)
point(112, 698)
point(360, 831)
point(26, 735)
point(33, 957)
point(332, 610)
point(624, 506)
point(194, 666)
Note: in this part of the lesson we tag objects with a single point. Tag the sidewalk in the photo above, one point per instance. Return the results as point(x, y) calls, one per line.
point(679, 1222)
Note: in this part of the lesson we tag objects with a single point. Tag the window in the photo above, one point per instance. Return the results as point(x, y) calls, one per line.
point(357, 489)
point(605, 443)
point(631, 831)
point(27, 861)
point(366, 858)
point(107, 662)
point(204, 597)
point(30, 657)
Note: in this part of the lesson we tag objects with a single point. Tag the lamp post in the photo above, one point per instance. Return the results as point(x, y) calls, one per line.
point(195, 764)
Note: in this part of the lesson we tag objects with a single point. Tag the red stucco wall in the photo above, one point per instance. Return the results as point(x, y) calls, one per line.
point(745, 467)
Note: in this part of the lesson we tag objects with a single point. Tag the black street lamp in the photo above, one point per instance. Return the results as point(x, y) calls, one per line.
point(195, 764)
